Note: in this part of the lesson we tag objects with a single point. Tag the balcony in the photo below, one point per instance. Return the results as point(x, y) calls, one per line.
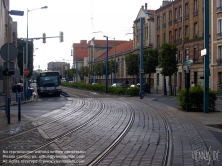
point(219, 9)
point(175, 21)
point(186, 16)
point(219, 35)
point(179, 61)
point(170, 23)
point(158, 27)
point(164, 25)
point(219, 61)
point(198, 60)
point(179, 19)
point(195, 12)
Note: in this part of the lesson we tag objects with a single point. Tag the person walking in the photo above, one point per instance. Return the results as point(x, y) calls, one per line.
point(192, 84)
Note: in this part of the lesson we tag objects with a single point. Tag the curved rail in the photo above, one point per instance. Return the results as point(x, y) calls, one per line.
point(58, 137)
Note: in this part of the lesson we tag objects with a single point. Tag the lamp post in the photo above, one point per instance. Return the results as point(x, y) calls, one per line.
point(106, 63)
point(206, 57)
point(16, 13)
point(114, 59)
point(26, 63)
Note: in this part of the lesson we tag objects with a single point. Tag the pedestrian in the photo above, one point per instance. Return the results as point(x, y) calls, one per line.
point(192, 84)
point(221, 90)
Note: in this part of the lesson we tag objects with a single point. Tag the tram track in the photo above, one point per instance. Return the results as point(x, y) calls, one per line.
point(47, 123)
point(53, 140)
point(169, 146)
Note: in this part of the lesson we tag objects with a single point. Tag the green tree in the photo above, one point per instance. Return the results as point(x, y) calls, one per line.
point(168, 61)
point(112, 67)
point(150, 63)
point(21, 43)
point(83, 71)
point(132, 65)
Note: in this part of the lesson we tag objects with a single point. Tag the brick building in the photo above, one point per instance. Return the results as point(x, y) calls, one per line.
point(182, 22)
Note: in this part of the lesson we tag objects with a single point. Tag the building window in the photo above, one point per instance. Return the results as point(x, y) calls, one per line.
point(219, 58)
point(164, 37)
point(179, 57)
point(170, 36)
point(195, 53)
point(180, 33)
point(186, 32)
point(195, 30)
point(195, 10)
point(186, 54)
point(170, 18)
point(158, 41)
point(176, 13)
point(176, 35)
point(186, 11)
point(195, 78)
point(219, 28)
point(219, 5)
point(164, 21)
point(158, 22)
point(180, 14)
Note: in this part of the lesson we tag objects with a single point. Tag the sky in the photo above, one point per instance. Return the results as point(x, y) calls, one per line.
point(78, 20)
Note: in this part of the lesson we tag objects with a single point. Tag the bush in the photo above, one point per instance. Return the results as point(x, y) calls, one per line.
point(196, 98)
point(133, 91)
point(101, 88)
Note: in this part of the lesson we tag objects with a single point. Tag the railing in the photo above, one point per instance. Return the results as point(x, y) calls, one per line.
point(219, 9)
point(219, 61)
point(186, 16)
point(219, 35)
point(195, 12)
point(170, 23)
point(164, 25)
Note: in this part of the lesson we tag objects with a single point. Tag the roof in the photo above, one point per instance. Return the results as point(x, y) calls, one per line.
point(80, 49)
point(126, 46)
point(111, 43)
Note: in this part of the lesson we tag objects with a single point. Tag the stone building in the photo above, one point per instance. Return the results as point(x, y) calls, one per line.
point(181, 22)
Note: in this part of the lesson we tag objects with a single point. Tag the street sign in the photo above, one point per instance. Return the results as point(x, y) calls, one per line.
point(13, 52)
point(187, 63)
point(26, 71)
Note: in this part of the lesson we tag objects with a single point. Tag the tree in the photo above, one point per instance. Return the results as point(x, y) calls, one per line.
point(21, 43)
point(150, 63)
point(83, 71)
point(168, 61)
point(132, 65)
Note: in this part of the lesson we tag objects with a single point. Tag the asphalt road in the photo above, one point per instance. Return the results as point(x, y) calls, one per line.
point(41, 106)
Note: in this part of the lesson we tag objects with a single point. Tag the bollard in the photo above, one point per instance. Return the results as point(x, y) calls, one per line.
point(19, 109)
point(9, 101)
point(16, 96)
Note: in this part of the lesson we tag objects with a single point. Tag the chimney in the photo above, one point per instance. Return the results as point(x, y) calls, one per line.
point(142, 7)
point(145, 6)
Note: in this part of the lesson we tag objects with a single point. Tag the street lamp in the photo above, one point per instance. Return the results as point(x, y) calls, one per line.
point(106, 63)
point(114, 59)
point(26, 65)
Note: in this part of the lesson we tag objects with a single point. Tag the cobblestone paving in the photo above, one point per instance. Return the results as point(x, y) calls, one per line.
point(144, 144)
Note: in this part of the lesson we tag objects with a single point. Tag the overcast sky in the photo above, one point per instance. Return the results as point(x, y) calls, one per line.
point(77, 19)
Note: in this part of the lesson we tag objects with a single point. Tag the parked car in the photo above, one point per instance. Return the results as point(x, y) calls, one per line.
point(117, 85)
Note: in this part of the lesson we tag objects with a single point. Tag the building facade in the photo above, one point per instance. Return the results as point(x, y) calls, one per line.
point(182, 22)
point(216, 44)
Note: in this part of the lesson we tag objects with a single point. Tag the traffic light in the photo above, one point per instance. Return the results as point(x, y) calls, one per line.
point(7, 72)
point(61, 37)
point(44, 37)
